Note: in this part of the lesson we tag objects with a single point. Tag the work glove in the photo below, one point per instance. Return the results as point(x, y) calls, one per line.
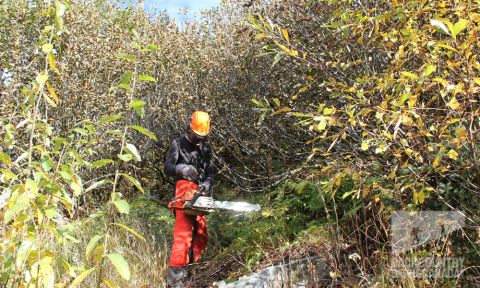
point(186, 171)
point(206, 186)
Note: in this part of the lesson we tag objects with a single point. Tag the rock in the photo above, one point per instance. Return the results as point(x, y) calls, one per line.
point(306, 272)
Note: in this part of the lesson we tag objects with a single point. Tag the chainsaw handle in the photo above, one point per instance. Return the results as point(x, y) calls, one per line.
point(196, 195)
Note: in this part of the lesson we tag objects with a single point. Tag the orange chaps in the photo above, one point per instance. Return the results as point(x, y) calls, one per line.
point(189, 233)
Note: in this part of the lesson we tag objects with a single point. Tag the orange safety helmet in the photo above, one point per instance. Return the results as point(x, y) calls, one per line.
point(200, 123)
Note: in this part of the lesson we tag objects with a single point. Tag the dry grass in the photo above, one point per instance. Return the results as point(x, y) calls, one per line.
point(147, 259)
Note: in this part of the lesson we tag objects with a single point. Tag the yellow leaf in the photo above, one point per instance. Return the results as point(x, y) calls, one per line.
point(410, 75)
point(291, 52)
point(49, 101)
point(52, 93)
point(283, 109)
point(42, 78)
point(477, 80)
point(364, 146)
point(392, 174)
point(453, 103)
point(81, 277)
point(110, 283)
point(421, 197)
point(322, 125)
point(461, 132)
point(303, 89)
point(452, 154)
point(285, 35)
point(447, 47)
point(328, 111)
point(51, 63)
point(47, 47)
point(436, 162)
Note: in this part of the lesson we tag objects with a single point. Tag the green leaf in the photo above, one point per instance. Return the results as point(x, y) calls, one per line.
point(125, 157)
point(410, 75)
point(120, 264)
point(109, 118)
point(23, 251)
point(301, 186)
point(97, 185)
point(125, 57)
point(439, 25)
point(81, 131)
point(258, 103)
point(152, 47)
point(101, 163)
point(143, 131)
point(68, 268)
point(130, 230)
point(277, 101)
point(91, 245)
point(130, 148)
point(7, 175)
point(5, 158)
point(459, 27)
point(133, 181)
point(76, 185)
point(50, 212)
point(46, 164)
point(14, 210)
point(81, 277)
point(60, 9)
point(430, 69)
point(47, 48)
point(138, 106)
point(122, 206)
point(146, 78)
point(42, 78)
point(126, 78)
point(125, 86)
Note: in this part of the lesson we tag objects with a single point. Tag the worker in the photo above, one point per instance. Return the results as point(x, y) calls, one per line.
point(189, 161)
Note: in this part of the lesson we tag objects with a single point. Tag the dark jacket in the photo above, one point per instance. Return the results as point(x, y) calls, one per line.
point(182, 151)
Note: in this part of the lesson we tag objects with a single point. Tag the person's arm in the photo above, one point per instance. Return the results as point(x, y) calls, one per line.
point(172, 158)
point(209, 170)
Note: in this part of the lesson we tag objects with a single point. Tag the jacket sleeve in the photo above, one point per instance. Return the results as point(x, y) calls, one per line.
point(172, 158)
point(210, 170)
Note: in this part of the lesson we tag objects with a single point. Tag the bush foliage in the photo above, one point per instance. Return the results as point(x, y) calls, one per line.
point(331, 114)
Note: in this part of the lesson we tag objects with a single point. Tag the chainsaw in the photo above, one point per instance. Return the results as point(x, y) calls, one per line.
point(201, 204)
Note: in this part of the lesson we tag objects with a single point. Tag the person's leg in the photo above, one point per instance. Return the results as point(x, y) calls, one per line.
point(182, 240)
point(201, 237)
point(176, 277)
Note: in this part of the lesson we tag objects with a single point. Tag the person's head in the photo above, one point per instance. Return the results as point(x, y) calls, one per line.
point(199, 127)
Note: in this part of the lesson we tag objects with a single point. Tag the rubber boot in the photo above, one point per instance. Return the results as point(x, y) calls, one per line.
point(176, 277)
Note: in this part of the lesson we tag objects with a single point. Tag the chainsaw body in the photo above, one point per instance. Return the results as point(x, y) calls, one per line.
point(196, 204)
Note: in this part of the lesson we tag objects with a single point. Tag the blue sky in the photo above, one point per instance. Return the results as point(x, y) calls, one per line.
point(173, 6)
